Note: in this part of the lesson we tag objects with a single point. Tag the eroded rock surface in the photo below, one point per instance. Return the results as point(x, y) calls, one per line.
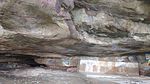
point(57, 28)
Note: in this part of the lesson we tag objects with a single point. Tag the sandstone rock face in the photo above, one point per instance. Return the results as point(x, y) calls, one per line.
point(99, 28)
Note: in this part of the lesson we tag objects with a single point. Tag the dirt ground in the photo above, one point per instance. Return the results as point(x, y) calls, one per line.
point(45, 76)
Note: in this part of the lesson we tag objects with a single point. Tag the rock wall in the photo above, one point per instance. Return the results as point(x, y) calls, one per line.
point(93, 28)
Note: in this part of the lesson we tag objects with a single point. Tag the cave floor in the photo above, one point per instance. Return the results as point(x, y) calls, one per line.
point(46, 76)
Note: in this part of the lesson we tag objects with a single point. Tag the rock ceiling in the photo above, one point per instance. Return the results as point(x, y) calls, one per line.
point(74, 27)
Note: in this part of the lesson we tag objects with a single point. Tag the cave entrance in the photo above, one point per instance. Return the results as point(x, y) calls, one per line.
point(9, 61)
